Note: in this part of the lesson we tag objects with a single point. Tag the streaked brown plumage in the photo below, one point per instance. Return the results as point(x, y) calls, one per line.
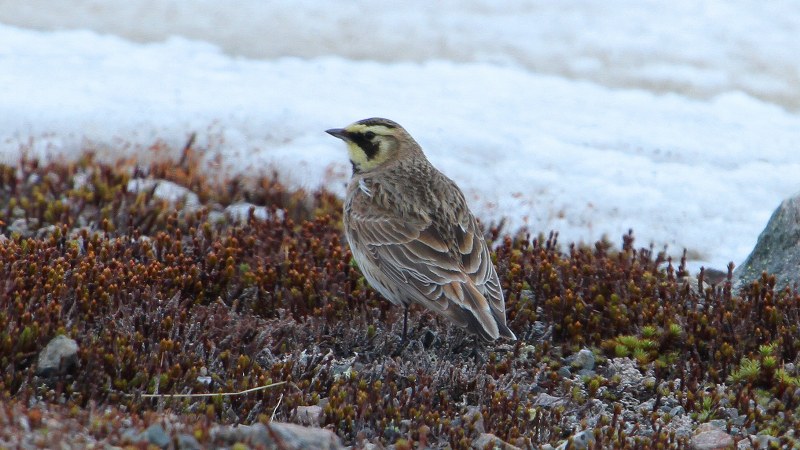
point(412, 234)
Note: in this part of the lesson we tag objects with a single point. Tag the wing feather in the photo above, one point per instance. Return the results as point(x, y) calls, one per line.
point(451, 275)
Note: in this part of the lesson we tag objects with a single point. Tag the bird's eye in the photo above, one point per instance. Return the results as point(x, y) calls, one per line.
point(369, 135)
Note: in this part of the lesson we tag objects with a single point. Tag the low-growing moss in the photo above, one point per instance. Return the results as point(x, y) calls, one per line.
point(157, 291)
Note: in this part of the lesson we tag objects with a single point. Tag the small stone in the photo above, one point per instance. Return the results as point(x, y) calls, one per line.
point(188, 442)
point(309, 415)
point(296, 436)
point(252, 434)
point(564, 372)
point(580, 441)
point(240, 212)
point(157, 436)
point(718, 424)
point(539, 331)
point(278, 435)
point(547, 401)
point(488, 440)
point(60, 355)
point(763, 441)
point(712, 439)
point(677, 411)
point(584, 359)
point(682, 425)
point(19, 226)
point(165, 190)
point(44, 232)
point(711, 425)
point(132, 436)
point(473, 416)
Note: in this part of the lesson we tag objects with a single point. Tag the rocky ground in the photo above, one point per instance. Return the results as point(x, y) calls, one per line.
point(129, 292)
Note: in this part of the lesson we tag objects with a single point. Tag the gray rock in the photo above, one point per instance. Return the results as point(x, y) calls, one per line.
point(165, 190)
point(474, 416)
point(547, 400)
point(254, 434)
point(729, 413)
point(682, 425)
point(739, 420)
point(60, 355)
point(540, 331)
point(488, 440)
point(309, 415)
point(777, 250)
point(296, 436)
point(584, 359)
point(279, 435)
point(44, 232)
point(711, 439)
point(677, 411)
point(580, 441)
point(718, 423)
point(132, 436)
point(564, 372)
point(240, 212)
point(21, 227)
point(156, 435)
point(631, 379)
point(188, 442)
point(763, 441)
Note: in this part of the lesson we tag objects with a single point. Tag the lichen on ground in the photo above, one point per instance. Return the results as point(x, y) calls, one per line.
point(168, 288)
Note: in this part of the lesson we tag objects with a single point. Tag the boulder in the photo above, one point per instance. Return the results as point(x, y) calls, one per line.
point(777, 250)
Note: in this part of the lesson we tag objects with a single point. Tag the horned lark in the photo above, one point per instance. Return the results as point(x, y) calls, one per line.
point(412, 234)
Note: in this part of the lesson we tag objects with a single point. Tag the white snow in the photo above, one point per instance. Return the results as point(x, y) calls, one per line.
point(677, 119)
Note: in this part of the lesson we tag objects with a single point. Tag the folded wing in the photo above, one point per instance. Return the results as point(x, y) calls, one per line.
point(447, 270)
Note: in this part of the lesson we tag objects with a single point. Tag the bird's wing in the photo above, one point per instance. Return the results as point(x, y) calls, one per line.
point(458, 283)
point(478, 265)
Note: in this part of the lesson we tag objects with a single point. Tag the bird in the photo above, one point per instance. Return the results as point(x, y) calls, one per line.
point(412, 233)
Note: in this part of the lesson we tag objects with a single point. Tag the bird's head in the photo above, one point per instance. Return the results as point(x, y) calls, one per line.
point(375, 142)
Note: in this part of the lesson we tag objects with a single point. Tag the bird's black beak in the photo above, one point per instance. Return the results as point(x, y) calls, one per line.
point(340, 133)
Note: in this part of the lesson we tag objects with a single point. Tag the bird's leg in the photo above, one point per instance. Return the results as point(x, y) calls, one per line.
point(405, 326)
point(403, 341)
